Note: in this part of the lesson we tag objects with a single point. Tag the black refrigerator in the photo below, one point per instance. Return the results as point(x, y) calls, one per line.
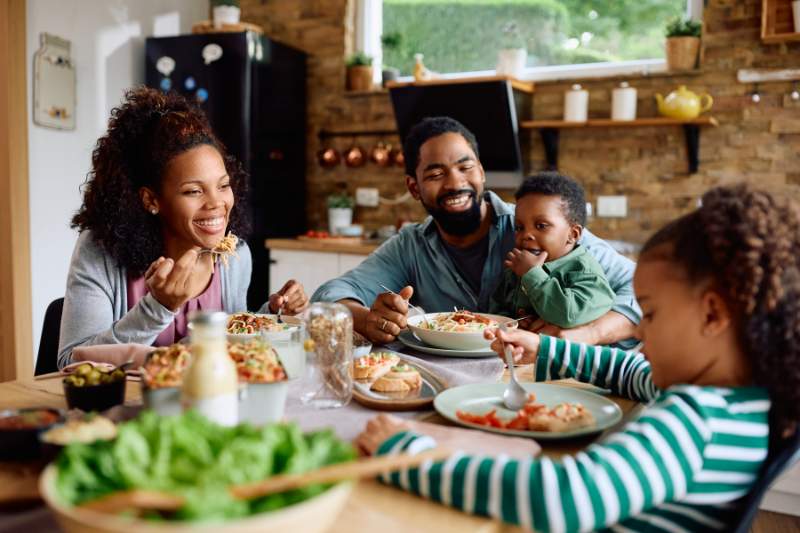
point(253, 92)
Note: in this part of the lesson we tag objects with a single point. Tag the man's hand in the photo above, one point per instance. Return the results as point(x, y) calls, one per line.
point(521, 261)
point(387, 316)
point(524, 344)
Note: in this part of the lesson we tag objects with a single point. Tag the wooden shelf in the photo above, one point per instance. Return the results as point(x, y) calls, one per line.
point(371, 92)
point(608, 123)
point(524, 86)
point(777, 22)
point(549, 130)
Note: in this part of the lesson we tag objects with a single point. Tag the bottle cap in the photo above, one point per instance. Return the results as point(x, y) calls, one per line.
point(576, 87)
point(624, 85)
point(208, 318)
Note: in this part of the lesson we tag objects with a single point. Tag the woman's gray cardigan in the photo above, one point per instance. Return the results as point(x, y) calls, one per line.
point(96, 301)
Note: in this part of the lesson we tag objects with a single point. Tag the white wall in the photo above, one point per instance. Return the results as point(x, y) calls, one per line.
point(107, 39)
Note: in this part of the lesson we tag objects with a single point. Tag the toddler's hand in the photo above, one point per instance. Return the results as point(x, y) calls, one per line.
point(521, 261)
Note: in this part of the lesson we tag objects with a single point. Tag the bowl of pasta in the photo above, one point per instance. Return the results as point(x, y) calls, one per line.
point(458, 330)
point(244, 327)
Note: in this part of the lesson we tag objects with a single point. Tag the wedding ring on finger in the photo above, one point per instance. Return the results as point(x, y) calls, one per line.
point(383, 325)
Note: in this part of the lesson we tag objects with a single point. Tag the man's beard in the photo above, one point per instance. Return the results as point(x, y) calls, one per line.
point(460, 223)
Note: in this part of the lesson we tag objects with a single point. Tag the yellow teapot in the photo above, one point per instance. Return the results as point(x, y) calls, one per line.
point(683, 104)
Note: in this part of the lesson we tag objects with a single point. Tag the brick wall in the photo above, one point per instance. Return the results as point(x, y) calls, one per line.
point(758, 143)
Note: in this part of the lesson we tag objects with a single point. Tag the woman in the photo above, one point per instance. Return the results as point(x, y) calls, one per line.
point(161, 190)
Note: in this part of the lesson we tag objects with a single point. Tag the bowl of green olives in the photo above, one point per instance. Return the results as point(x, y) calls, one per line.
point(91, 388)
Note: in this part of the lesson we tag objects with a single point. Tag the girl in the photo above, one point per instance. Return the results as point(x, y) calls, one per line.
point(161, 189)
point(720, 295)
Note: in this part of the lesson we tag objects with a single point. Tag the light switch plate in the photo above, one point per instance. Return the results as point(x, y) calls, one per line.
point(612, 206)
point(367, 197)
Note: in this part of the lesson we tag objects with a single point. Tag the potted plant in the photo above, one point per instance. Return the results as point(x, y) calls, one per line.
point(340, 211)
point(392, 42)
point(225, 12)
point(359, 72)
point(683, 43)
point(513, 55)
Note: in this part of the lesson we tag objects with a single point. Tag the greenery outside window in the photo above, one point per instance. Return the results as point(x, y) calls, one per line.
point(563, 38)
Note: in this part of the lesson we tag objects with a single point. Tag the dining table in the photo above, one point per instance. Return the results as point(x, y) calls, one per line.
point(372, 506)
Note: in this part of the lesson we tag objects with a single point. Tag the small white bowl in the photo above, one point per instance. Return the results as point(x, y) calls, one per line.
point(292, 321)
point(452, 340)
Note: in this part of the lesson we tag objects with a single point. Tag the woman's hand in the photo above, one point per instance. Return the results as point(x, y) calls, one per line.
point(169, 280)
point(377, 431)
point(387, 316)
point(524, 344)
point(292, 298)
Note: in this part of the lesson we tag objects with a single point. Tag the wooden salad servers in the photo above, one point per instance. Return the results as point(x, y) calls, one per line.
point(364, 468)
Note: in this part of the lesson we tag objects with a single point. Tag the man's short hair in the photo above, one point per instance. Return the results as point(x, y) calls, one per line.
point(555, 184)
point(428, 128)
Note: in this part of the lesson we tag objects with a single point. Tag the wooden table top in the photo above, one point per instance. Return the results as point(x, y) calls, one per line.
point(372, 506)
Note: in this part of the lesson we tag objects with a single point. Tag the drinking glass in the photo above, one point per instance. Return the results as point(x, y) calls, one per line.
point(328, 381)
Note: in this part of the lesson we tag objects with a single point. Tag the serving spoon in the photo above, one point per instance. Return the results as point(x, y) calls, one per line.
point(514, 397)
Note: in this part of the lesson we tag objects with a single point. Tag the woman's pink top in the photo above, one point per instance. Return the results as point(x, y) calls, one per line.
point(210, 300)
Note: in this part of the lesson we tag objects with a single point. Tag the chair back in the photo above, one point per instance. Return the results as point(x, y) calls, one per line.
point(47, 358)
point(781, 456)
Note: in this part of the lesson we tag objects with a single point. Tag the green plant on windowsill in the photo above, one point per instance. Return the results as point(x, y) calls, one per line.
point(340, 201)
point(684, 28)
point(359, 59)
point(217, 3)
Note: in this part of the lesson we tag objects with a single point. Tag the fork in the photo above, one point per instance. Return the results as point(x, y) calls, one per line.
point(514, 396)
point(414, 307)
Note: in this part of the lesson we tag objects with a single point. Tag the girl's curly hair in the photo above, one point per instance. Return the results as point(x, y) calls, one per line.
point(746, 240)
point(144, 134)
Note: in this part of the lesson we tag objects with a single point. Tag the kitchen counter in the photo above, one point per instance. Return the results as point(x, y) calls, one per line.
point(332, 245)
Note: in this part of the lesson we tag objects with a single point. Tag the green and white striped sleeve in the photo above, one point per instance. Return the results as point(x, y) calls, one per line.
point(625, 373)
point(653, 475)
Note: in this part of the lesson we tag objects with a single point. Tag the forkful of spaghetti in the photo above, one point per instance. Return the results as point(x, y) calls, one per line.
point(224, 248)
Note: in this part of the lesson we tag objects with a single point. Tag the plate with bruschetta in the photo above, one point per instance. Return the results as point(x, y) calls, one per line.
point(385, 380)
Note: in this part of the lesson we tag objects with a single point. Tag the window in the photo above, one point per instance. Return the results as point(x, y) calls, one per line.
point(464, 36)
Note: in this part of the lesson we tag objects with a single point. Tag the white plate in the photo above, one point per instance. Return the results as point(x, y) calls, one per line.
point(483, 397)
point(408, 339)
point(451, 340)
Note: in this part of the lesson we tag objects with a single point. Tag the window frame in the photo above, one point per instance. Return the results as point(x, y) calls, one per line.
point(369, 26)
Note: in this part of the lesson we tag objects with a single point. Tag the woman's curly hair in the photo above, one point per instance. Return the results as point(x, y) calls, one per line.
point(746, 240)
point(148, 130)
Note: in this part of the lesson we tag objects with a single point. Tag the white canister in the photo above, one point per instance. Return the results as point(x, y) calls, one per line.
point(511, 62)
point(576, 104)
point(623, 102)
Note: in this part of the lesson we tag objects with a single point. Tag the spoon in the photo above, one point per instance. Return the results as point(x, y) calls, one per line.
point(419, 310)
point(514, 396)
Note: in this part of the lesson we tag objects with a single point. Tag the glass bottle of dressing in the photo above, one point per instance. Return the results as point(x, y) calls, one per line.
point(210, 384)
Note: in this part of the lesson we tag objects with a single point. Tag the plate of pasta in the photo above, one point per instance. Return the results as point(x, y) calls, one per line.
point(244, 327)
point(458, 330)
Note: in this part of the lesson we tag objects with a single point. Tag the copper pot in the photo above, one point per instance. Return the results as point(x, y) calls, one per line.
point(355, 157)
point(398, 158)
point(381, 155)
point(328, 157)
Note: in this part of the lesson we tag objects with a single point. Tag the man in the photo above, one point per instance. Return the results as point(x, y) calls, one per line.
point(455, 257)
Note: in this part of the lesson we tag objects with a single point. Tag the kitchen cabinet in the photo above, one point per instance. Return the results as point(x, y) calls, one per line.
point(311, 268)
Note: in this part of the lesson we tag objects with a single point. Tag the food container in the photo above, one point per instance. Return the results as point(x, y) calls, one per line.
point(452, 340)
point(576, 104)
point(314, 515)
point(95, 397)
point(290, 321)
point(328, 382)
point(22, 442)
point(623, 102)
